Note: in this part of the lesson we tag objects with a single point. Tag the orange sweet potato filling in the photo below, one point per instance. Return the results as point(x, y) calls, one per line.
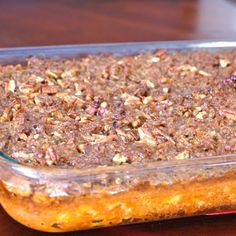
point(139, 204)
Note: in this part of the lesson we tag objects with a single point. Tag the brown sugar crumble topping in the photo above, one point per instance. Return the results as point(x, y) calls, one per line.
point(109, 110)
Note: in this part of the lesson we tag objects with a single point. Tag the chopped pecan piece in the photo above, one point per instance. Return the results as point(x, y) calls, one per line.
point(183, 155)
point(50, 89)
point(50, 156)
point(119, 159)
point(11, 86)
point(228, 113)
point(51, 73)
point(224, 63)
point(146, 137)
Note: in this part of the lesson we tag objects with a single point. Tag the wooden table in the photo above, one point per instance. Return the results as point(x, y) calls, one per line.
point(27, 23)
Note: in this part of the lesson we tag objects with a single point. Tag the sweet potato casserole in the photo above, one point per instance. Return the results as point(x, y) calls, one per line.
point(107, 111)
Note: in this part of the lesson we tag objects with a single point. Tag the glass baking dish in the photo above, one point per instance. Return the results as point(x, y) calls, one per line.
point(59, 200)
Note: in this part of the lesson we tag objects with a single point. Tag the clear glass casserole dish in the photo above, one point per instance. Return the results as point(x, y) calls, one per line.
point(58, 200)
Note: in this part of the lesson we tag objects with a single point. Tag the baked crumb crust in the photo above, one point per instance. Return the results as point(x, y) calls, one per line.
point(106, 110)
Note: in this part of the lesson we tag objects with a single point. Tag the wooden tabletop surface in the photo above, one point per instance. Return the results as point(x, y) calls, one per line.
point(33, 23)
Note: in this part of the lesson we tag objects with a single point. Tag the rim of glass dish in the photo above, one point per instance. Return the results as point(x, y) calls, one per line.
point(123, 46)
point(136, 168)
